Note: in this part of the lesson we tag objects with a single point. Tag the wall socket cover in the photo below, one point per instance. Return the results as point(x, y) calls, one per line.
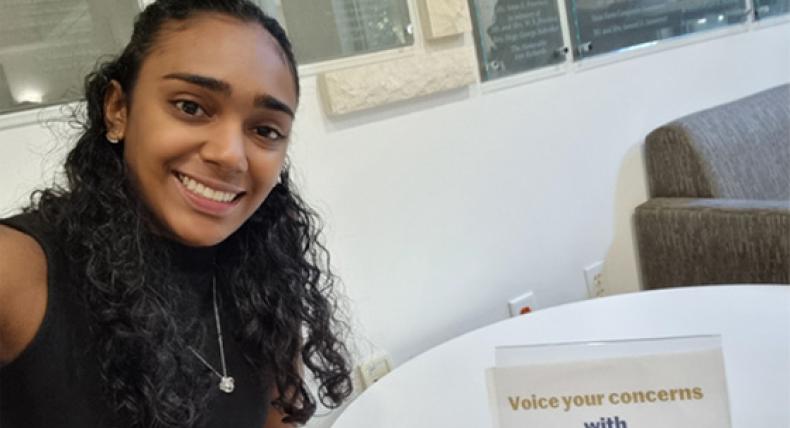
point(593, 277)
point(374, 369)
point(522, 304)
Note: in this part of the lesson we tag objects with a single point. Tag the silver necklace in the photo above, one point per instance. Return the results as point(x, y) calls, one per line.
point(226, 383)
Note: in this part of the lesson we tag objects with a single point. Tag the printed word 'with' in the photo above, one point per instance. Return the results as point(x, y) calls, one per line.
point(615, 422)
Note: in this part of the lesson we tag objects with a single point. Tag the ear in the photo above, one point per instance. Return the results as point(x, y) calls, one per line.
point(115, 110)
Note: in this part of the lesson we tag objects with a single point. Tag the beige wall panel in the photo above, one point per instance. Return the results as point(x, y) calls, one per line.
point(443, 18)
point(373, 85)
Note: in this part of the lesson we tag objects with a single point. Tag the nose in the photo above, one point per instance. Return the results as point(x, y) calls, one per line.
point(225, 148)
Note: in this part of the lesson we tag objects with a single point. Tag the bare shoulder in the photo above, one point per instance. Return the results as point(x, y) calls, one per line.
point(23, 291)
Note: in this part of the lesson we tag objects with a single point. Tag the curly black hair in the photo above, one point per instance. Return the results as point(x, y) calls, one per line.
point(277, 269)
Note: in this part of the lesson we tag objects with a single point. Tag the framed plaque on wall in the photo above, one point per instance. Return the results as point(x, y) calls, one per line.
point(514, 36)
point(323, 30)
point(604, 26)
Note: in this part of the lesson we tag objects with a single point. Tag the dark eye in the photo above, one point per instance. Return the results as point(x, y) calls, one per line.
point(190, 107)
point(269, 133)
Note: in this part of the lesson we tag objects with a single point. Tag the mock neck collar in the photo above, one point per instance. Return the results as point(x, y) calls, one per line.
point(189, 259)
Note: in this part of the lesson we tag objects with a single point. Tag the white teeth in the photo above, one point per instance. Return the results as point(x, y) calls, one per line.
point(204, 191)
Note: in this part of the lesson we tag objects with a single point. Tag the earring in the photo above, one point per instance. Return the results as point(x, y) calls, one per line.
point(112, 140)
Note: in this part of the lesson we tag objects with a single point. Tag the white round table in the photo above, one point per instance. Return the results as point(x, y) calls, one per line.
point(445, 386)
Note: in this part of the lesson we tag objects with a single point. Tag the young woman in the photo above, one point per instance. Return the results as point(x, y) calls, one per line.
point(176, 280)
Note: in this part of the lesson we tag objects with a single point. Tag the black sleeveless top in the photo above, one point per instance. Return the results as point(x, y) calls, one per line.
point(55, 381)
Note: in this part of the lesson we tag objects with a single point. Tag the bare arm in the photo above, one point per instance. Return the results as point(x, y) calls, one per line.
point(23, 292)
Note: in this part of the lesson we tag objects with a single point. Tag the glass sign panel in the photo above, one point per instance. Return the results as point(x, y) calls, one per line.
point(768, 8)
point(47, 47)
point(601, 26)
point(513, 36)
point(323, 30)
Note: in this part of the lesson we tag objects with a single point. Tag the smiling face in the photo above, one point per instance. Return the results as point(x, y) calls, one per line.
point(206, 126)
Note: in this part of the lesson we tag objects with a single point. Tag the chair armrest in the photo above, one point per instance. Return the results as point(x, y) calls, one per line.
point(686, 241)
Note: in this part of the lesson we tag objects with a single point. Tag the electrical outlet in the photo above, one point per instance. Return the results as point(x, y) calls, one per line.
point(522, 304)
point(593, 276)
point(374, 369)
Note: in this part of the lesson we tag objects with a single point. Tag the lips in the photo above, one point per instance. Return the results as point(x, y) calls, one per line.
point(206, 199)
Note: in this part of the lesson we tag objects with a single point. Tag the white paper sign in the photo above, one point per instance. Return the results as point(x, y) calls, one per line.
point(679, 389)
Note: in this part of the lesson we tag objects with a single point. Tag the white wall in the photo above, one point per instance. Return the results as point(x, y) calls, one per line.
point(441, 209)
point(30, 154)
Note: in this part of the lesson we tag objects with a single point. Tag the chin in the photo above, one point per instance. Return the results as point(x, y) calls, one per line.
point(203, 242)
point(206, 240)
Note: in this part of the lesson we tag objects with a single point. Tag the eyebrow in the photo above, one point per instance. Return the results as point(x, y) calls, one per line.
point(271, 103)
point(216, 85)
